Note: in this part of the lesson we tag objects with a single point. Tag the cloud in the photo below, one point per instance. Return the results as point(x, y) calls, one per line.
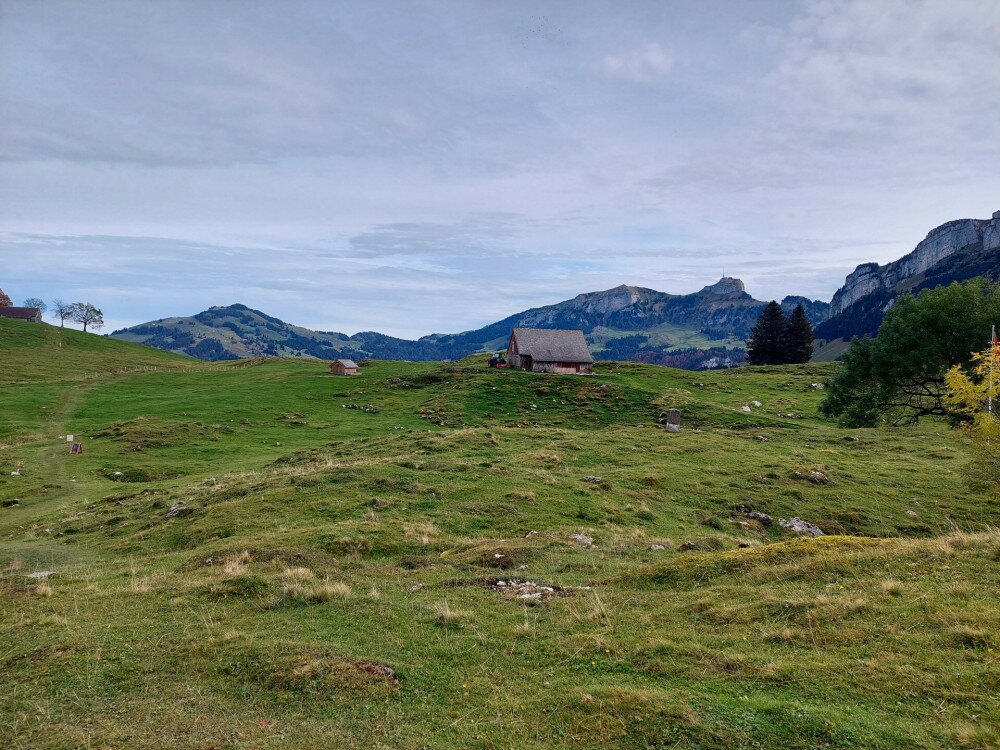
point(647, 63)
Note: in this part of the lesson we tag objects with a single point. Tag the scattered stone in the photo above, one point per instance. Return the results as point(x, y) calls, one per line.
point(497, 555)
point(178, 511)
point(531, 534)
point(816, 386)
point(527, 591)
point(10, 503)
point(763, 438)
point(911, 512)
point(746, 409)
point(41, 574)
point(687, 547)
point(672, 427)
point(415, 587)
point(15, 473)
point(803, 527)
point(818, 477)
point(756, 404)
point(583, 539)
point(593, 479)
point(762, 518)
point(118, 474)
point(657, 547)
point(851, 438)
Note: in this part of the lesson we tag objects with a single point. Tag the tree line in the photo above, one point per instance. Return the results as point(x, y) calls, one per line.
point(84, 313)
point(779, 340)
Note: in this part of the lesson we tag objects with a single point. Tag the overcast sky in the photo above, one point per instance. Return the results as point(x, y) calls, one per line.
point(413, 167)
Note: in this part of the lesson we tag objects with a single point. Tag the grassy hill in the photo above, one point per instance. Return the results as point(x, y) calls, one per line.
point(257, 554)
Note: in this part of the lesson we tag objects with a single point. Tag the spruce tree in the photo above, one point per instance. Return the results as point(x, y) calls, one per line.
point(799, 346)
point(768, 338)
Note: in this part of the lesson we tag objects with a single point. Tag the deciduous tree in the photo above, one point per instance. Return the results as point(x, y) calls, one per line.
point(63, 311)
point(88, 315)
point(898, 376)
point(974, 395)
point(36, 302)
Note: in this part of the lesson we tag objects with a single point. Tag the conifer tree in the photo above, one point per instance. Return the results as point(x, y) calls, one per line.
point(799, 346)
point(768, 337)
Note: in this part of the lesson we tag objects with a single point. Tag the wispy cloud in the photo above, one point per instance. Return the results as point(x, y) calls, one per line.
point(646, 63)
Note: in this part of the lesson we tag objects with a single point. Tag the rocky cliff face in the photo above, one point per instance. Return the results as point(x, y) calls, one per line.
point(956, 251)
point(940, 243)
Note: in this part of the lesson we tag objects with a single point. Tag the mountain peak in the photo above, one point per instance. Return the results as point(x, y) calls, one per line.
point(725, 285)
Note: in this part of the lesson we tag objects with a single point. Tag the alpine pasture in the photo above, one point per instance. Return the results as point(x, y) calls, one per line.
point(258, 554)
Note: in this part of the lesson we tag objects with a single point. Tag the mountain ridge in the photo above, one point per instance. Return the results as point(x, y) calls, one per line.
point(954, 251)
point(626, 322)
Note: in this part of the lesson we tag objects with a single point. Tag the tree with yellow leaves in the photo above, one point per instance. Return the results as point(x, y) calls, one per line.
point(974, 394)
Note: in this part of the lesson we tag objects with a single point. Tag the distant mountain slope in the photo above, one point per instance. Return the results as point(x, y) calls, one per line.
point(955, 251)
point(706, 328)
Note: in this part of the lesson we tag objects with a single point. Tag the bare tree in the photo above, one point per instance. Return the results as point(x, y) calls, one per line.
point(88, 315)
point(63, 311)
point(36, 302)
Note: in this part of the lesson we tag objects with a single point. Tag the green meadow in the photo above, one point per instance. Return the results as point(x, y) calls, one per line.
point(257, 554)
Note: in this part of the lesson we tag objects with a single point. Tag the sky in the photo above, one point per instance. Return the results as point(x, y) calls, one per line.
point(431, 166)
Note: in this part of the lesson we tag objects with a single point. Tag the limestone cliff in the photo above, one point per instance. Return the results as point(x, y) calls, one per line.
point(940, 243)
point(956, 251)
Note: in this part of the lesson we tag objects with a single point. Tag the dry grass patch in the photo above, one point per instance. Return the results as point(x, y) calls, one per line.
point(448, 617)
point(423, 532)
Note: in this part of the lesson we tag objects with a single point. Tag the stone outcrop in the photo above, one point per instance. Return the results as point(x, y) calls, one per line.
point(940, 243)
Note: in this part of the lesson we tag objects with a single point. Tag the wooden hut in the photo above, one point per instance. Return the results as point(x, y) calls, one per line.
point(343, 367)
point(549, 350)
point(32, 314)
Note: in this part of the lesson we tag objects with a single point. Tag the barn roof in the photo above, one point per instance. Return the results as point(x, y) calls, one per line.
point(20, 313)
point(552, 345)
point(346, 362)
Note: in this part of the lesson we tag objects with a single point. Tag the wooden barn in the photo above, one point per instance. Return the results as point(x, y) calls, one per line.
point(32, 314)
point(549, 350)
point(343, 367)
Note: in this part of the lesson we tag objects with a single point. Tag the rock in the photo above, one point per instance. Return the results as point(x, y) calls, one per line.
point(687, 547)
point(657, 547)
point(756, 404)
point(178, 511)
point(911, 512)
point(594, 480)
point(816, 386)
point(818, 477)
point(415, 587)
point(40, 574)
point(583, 539)
point(762, 438)
point(851, 438)
point(672, 427)
point(762, 518)
point(798, 525)
point(746, 409)
point(531, 534)
point(15, 473)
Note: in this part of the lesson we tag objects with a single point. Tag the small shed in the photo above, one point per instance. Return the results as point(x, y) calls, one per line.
point(32, 314)
point(343, 367)
point(549, 350)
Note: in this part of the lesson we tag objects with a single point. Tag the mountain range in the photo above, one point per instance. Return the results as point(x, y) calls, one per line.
point(705, 329)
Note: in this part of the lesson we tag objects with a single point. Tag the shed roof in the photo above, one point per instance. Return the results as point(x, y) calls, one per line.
point(552, 345)
point(347, 362)
point(21, 313)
